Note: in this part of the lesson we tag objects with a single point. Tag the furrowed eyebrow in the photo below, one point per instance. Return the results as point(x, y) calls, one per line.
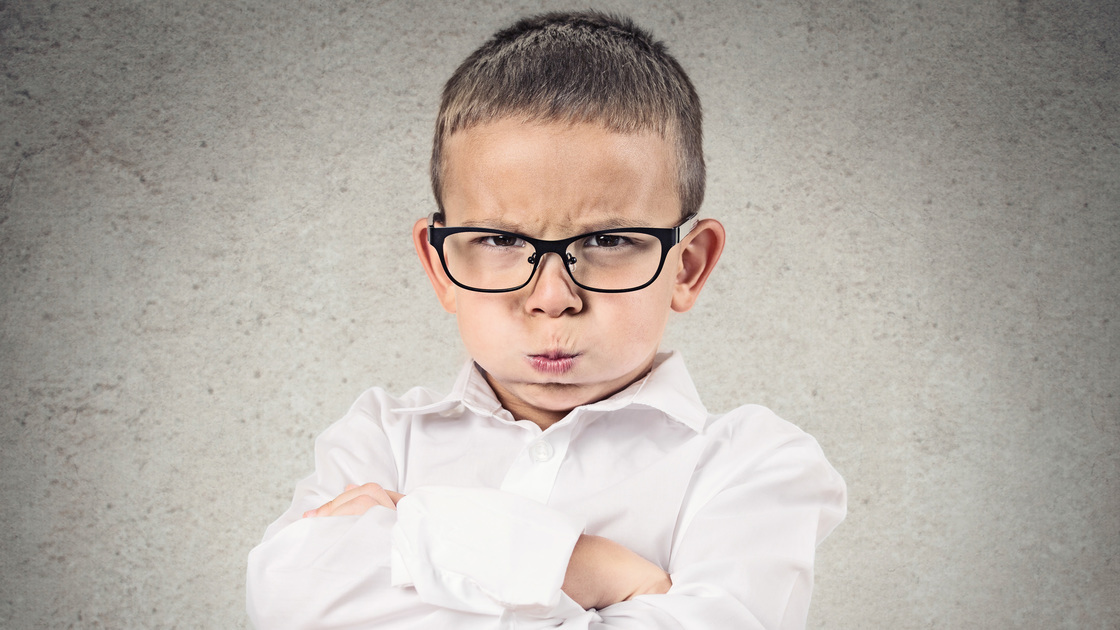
point(614, 224)
point(505, 226)
point(492, 225)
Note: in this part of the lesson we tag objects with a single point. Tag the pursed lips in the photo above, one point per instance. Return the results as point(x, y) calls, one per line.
point(552, 362)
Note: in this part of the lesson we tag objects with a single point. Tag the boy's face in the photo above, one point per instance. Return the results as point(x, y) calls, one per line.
point(551, 346)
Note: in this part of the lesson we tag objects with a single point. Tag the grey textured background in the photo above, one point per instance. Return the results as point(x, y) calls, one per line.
point(204, 258)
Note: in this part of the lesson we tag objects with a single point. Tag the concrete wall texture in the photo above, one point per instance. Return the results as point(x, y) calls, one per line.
point(204, 258)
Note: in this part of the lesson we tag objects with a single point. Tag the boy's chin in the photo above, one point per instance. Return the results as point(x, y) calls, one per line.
point(553, 396)
point(544, 400)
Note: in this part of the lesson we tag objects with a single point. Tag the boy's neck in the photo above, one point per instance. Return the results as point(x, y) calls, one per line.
point(543, 418)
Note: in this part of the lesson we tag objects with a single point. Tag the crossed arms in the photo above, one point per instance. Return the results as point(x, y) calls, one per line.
point(740, 553)
point(600, 572)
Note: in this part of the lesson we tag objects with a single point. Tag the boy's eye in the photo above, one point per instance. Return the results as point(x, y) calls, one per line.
point(501, 240)
point(606, 240)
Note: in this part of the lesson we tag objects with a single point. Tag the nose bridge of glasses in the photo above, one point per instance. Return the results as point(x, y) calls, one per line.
point(560, 248)
point(537, 258)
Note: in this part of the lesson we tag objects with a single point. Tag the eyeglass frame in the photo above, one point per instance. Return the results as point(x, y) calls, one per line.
point(669, 238)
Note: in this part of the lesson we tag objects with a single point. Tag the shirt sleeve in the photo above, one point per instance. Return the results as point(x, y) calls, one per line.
point(447, 552)
point(446, 555)
point(318, 572)
point(483, 550)
point(744, 557)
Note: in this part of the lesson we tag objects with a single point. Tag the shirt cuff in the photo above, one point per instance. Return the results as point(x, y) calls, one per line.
point(482, 550)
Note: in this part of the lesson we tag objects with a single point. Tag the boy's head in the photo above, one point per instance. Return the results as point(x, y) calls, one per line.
point(562, 243)
point(584, 67)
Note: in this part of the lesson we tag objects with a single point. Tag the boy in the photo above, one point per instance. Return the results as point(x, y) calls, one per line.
point(572, 477)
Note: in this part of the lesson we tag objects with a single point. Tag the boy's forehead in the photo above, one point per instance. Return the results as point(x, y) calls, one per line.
point(525, 221)
point(548, 178)
point(558, 220)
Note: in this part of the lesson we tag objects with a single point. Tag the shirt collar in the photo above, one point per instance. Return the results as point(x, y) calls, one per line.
point(470, 390)
point(667, 388)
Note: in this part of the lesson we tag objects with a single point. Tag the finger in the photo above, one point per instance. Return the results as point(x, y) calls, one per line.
point(322, 510)
point(376, 492)
point(355, 507)
point(352, 491)
point(327, 509)
point(373, 491)
point(394, 496)
point(380, 495)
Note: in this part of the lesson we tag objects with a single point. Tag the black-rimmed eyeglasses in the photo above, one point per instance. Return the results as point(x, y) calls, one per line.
point(606, 261)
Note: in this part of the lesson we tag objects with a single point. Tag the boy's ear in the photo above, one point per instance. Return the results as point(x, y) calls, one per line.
point(445, 289)
point(699, 252)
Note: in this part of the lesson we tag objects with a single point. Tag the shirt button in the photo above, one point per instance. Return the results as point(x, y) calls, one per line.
point(541, 451)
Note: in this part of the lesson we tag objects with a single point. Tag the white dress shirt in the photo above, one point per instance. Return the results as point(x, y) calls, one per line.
point(731, 506)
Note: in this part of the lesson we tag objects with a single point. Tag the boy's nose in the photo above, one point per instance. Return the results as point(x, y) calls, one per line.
point(552, 291)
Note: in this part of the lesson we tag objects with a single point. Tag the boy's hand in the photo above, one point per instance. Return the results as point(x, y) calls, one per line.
point(603, 572)
point(357, 500)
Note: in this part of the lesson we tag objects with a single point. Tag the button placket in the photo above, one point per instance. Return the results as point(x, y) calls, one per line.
point(534, 473)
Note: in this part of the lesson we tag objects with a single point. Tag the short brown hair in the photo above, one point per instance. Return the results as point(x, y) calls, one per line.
point(578, 67)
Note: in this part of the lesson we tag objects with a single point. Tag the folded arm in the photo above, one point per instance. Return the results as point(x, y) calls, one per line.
point(742, 555)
